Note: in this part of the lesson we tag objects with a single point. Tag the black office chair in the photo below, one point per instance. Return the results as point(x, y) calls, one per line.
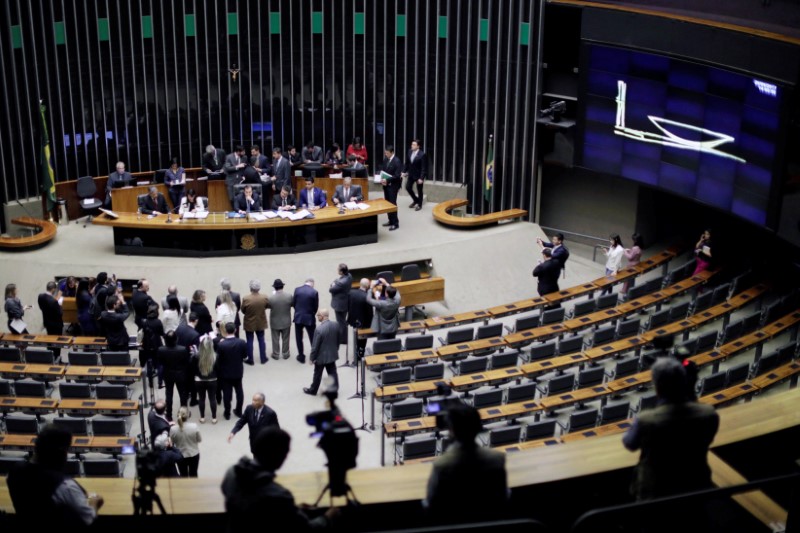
point(158, 175)
point(387, 275)
point(312, 170)
point(410, 272)
point(256, 188)
point(86, 189)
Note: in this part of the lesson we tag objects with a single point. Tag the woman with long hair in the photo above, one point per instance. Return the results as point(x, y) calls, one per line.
point(199, 308)
point(173, 314)
point(226, 310)
point(614, 252)
point(205, 378)
point(702, 250)
point(186, 436)
point(633, 255)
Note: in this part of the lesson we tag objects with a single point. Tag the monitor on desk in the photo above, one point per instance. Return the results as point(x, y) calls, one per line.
point(121, 183)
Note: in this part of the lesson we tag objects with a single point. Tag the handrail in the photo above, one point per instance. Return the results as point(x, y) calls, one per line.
point(615, 515)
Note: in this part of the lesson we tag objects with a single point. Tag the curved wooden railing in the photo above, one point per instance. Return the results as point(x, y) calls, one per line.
point(442, 214)
point(46, 233)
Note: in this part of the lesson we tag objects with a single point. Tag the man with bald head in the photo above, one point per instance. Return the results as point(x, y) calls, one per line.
point(154, 203)
point(324, 351)
point(359, 314)
point(172, 290)
point(141, 301)
point(257, 416)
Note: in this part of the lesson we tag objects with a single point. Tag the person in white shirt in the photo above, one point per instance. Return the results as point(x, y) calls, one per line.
point(191, 203)
point(226, 309)
point(186, 437)
point(614, 253)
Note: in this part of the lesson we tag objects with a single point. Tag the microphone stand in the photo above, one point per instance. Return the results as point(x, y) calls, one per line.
point(359, 362)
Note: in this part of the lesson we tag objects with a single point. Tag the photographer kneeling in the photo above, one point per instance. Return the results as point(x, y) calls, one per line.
point(251, 492)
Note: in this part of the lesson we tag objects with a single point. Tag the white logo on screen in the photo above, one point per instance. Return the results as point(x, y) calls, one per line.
point(714, 139)
point(766, 88)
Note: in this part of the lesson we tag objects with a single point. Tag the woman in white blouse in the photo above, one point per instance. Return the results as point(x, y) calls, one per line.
point(226, 310)
point(173, 315)
point(614, 253)
point(186, 437)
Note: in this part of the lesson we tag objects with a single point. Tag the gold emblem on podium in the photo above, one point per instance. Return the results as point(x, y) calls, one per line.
point(248, 242)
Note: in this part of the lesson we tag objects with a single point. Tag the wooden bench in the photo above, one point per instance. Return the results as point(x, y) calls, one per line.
point(790, 371)
point(412, 326)
point(80, 443)
point(96, 407)
point(461, 350)
point(40, 372)
point(442, 214)
point(731, 394)
point(420, 291)
point(457, 319)
point(46, 233)
point(599, 431)
point(379, 362)
point(32, 405)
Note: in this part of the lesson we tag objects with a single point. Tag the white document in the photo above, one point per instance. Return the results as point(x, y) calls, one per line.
point(88, 201)
point(303, 213)
point(258, 217)
point(336, 176)
point(189, 214)
point(377, 178)
point(363, 206)
point(350, 205)
point(270, 214)
point(18, 326)
point(284, 214)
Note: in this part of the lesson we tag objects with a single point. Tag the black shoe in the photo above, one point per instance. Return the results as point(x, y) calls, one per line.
point(285, 356)
point(193, 403)
point(248, 362)
point(237, 414)
point(263, 361)
point(301, 359)
point(386, 225)
point(309, 391)
point(419, 207)
point(276, 357)
point(412, 204)
point(226, 416)
point(392, 228)
point(161, 385)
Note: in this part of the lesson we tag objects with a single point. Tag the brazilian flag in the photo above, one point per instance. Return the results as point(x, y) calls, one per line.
point(48, 174)
point(488, 171)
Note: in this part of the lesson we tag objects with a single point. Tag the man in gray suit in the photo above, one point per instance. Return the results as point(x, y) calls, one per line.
point(172, 290)
point(234, 166)
point(282, 168)
point(280, 319)
point(324, 351)
point(386, 320)
point(340, 299)
point(347, 192)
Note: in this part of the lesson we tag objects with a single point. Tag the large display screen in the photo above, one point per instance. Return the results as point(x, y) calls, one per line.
point(698, 131)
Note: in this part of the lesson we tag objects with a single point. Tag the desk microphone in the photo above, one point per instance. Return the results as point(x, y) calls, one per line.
point(169, 215)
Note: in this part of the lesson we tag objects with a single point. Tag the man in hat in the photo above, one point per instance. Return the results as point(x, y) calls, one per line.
point(280, 319)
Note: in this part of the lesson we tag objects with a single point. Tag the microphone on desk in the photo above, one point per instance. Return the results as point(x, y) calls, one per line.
point(169, 215)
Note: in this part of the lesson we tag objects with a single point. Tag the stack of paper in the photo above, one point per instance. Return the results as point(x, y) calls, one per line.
point(303, 213)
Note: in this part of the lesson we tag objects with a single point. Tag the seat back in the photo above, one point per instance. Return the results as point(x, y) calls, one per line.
point(540, 430)
point(521, 393)
point(73, 467)
point(419, 342)
point(391, 376)
point(418, 448)
point(570, 345)
point(583, 308)
point(601, 335)
point(712, 383)
point(410, 408)
point(720, 294)
point(83, 358)
point(612, 412)
point(657, 319)
point(543, 350)
point(115, 358)
point(102, 468)
point(106, 426)
point(86, 187)
point(590, 377)
point(388, 275)
point(732, 331)
point(487, 398)
point(504, 359)
point(646, 401)
point(685, 348)
point(30, 388)
point(605, 301)
point(240, 188)
point(638, 291)
point(628, 328)
point(786, 352)
point(74, 390)
point(410, 272)
point(10, 354)
point(766, 363)
point(109, 391)
point(751, 322)
point(625, 367)
point(702, 302)
point(528, 322)
point(40, 356)
point(737, 373)
point(7, 464)
point(22, 425)
point(472, 364)
point(579, 420)
point(489, 330)
point(429, 371)
point(679, 311)
point(158, 175)
point(76, 426)
point(5, 387)
point(506, 435)
point(387, 346)
point(562, 383)
point(140, 199)
point(460, 335)
point(552, 316)
point(706, 341)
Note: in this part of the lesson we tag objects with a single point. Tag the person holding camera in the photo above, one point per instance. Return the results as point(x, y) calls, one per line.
point(112, 321)
point(257, 416)
point(251, 493)
point(386, 320)
point(324, 351)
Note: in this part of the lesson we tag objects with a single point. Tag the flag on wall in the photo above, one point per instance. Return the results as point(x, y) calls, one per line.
point(48, 175)
point(488, 172)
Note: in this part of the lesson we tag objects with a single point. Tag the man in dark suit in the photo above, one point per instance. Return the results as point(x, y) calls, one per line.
point(213, 160)
point(175, 361)
point(312, 153)
point(225, 285)
point(140, 301)
point(393, 167)
point(306, 304)
point(347, 192)
point(187, 336)
point(250, 173)
point(285, 200)
point(282, 171)
point(560, 252)
point(231, 354)
point(234, 165)
point(112, 320)
point(312, 197)
point(117, 179)
point(386, 320)
point(257, 416)
point(154, 203)
point(259, 161)
point(157, 420)
point(359, 313)
point(416, 172)
point(247, 201)
point(324, 352)
point(547, 272)
point(340, 297)
point(50, 305)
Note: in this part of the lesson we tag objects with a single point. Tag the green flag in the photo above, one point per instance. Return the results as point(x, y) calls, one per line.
point(488, 172)
point(48, 175)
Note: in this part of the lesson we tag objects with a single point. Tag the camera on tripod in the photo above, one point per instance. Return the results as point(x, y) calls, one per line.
point(555, 111)
point(147, 470)
point(338, 440)
point(440, 408)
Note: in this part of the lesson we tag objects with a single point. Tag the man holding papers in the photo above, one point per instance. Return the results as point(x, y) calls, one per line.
point(347, 192)
point(285, 201)
point(391, 180)
point(247, 201)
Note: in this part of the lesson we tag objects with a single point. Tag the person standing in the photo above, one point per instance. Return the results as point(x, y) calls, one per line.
point(386, 320)
point(324, 352)
point(340, 299)
point(83, 301)
point(415, 172)
point(173, 314)
point(306, 304)
point(112, 321)
point(50, 305)
point(257, 416)
point(186, 437)
point(117, 179)
point(282, 172)
point(199, 308)
point(614, 253)
point(172, 290)
point(205, 378)
point(280, 319)
point(392, 166)
point(140, 301)
point(157, 421)
point(225, 284)
point(234, 163)
point(556, 244)
point(702, 250)
point(213, 160)
point(226, 309)
point(633, 255)
point(254, 309)
point(359, 314)
point(175, 180)
point(152, 334)
point(14, 309)
point(547, 272)
point(177, 370)
point(231, 354)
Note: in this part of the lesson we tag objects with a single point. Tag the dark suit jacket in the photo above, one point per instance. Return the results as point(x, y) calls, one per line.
point(214, 162)
point(114, 324)
point(283, 173)
point(157, 425)
point(187, 336)
point(251, 175)
point(359, 312)
point(547, 272)
point(176, 363)
point(340, 292)
point(159, 206)
point(231, 353)
point(393, 167)
point(204, 320)
point(325, 346)
point(306, 304)
point(268, 418)
point(240, 202)
point(51, 313)
point(418, 169)
point(277, 201)
point(355, 190)
point(231, 160)
point(140, 302)
point(319, 197)
point(560, 254)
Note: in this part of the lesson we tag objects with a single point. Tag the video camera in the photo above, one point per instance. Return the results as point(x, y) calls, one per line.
point(440, 408)
point(147, 470)
point(555, 110)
